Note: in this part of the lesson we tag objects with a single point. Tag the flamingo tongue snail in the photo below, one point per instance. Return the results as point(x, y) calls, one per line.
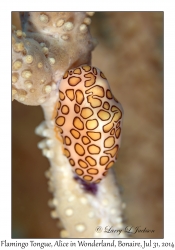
point(89, 120)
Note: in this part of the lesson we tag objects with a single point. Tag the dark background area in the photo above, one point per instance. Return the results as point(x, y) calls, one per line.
point(130, 54)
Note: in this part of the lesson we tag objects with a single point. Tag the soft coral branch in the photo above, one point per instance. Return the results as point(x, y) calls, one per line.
point(51, 43)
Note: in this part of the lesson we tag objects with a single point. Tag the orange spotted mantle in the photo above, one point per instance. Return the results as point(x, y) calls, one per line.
point(89, 120)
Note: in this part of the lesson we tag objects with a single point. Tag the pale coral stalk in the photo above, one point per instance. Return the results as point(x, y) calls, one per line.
point(52, 43)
